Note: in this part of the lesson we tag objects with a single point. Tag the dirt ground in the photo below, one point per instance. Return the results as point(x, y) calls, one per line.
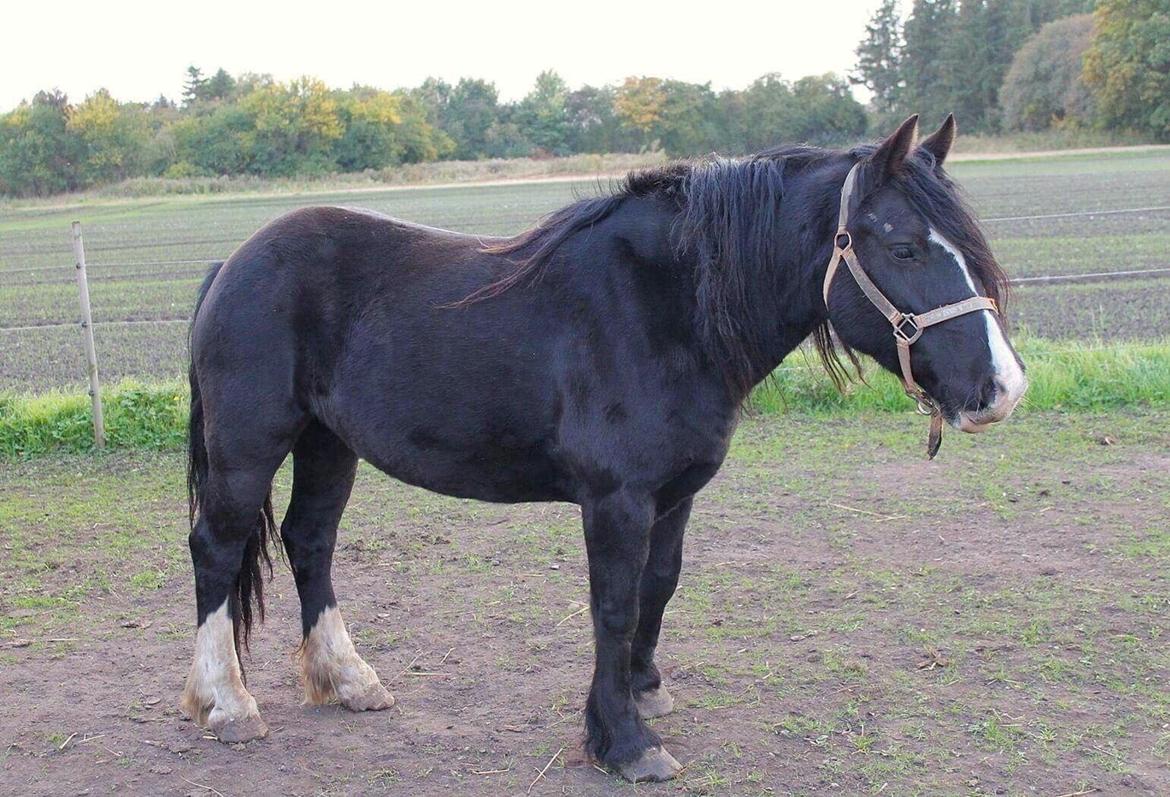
point(852, 619)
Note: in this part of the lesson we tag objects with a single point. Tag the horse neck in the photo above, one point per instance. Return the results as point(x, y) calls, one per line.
point(783, 305)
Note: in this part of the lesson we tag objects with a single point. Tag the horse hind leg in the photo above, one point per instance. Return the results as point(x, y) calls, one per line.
point(331, 669)
point(659, 580)
point(227, 542)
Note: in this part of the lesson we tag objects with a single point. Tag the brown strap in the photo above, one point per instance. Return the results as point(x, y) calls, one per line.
point(947, 312)
point(847, 197)
point(920, 322)
point(934, 439)
point(871, 291)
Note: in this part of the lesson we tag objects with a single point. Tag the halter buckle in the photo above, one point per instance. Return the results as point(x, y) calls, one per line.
point(900, 328)
point(843, 235)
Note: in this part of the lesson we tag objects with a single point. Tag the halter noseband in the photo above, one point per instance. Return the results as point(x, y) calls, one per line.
point(908, 327)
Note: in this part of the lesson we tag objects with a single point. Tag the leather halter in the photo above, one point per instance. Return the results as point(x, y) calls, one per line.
point(908, 327)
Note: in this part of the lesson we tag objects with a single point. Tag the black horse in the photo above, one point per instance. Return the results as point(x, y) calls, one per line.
point(600, 358)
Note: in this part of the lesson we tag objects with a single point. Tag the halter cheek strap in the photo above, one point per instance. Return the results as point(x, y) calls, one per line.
point(907, 327)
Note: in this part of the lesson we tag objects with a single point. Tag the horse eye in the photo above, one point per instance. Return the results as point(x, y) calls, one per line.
point(902, 252)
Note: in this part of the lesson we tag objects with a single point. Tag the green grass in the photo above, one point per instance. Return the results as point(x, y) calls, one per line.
point(136, 416)
point(1063, 376)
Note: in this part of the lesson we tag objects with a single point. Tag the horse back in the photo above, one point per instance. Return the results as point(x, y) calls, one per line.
point(579, 381)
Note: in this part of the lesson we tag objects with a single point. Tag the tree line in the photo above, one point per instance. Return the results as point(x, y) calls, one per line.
point(256, 125)
point(1012, 65)
point(1000, 65)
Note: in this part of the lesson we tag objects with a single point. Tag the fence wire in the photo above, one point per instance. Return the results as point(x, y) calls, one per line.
point(172, 269)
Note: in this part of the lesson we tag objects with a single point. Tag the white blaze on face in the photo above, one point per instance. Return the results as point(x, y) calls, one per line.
point(1004, 364)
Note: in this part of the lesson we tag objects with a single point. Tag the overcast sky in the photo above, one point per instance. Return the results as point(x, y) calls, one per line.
point(140, 49)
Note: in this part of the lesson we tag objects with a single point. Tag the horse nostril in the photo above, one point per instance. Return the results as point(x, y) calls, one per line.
point(988, 392)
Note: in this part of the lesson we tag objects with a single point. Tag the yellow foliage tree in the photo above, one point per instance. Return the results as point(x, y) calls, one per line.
point(639, 103)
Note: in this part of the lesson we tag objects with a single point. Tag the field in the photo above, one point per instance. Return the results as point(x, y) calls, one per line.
point(147, 255)
point(852, 620)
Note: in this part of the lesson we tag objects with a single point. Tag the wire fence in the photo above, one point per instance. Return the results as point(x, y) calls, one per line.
point(1046, 279)
point(192, 269)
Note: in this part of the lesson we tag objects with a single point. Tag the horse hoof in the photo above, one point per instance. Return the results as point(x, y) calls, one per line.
point(654, 765)
point(654, 703)
point(374, 697)
point(242, 729)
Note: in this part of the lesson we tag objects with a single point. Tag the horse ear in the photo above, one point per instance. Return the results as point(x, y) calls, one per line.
point(892, 153)
point(939, 142)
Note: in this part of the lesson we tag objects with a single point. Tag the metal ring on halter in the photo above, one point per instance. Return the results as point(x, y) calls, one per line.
point(907, 318)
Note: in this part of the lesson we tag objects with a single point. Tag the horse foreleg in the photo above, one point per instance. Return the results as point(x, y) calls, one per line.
point(214, 695)
point(617, 532)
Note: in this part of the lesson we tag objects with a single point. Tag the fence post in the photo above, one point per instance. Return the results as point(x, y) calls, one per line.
point(95, 388)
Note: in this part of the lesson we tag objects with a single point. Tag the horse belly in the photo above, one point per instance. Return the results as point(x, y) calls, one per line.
point(453, 441)
point(494, 472)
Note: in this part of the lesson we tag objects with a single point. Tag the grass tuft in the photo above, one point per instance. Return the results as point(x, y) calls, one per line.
point(137, 415)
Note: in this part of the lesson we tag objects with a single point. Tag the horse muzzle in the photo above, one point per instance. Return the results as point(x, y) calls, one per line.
point(1007, 396)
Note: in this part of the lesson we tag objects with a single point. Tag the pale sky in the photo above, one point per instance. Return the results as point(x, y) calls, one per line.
point(141, 49)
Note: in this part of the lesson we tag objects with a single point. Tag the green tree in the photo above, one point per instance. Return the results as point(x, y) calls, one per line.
point(214, 143)
point(818, 109)
point(506, 139)
point(293, 127)
point(1044, 85)
point(593, 124)
point(113, 138)
point(433, 96)
point(219, 86)
point(735, 128)
point(421, 138)
point(195, 87)
point(926, 61)
point(371, 119)
point(38, 152)
point(953, 55)
point(543, 114)
point(824, 111)
point(1127, 66)
point(471, 110)
point(879, 59)
point(688, 122)
point(768, 113)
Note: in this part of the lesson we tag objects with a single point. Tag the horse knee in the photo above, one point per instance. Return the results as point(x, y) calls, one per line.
point(617, 620)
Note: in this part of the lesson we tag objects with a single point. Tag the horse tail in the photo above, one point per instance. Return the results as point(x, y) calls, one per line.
point(249, 588)
point(196, 444)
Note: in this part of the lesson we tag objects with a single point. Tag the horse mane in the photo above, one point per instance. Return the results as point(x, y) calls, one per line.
point(729, 212)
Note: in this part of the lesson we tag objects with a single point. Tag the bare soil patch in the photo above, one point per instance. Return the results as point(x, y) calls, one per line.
point(850, 620)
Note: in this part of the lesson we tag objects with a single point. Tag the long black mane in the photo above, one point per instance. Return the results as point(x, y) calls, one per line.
point(729, 214)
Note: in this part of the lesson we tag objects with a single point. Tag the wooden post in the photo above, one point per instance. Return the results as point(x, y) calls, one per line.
point(95, 388)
